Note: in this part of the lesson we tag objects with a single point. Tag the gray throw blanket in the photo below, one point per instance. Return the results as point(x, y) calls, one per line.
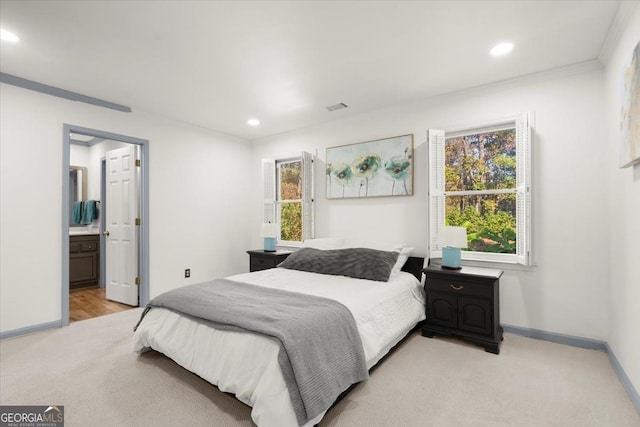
point(321, 353)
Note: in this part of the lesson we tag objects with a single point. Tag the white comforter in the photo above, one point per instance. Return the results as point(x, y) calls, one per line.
point(247, 365)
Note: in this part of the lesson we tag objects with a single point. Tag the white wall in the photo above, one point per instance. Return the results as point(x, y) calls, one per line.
point(566, 291)
point(623, 197)
point(197, 204)
point(79, 155)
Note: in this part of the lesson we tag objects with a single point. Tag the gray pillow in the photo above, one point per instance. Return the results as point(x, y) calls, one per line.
point(361, 263)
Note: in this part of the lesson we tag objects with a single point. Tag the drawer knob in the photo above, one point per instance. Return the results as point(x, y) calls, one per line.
point(457, 287)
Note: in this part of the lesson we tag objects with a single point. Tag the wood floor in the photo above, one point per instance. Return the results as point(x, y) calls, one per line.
point(89, 302)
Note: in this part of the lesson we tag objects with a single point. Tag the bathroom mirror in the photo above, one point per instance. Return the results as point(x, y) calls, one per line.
point(77, 189)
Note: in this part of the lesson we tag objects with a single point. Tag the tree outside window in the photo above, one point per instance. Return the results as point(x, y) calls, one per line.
point(289, 176)
point(480, 188)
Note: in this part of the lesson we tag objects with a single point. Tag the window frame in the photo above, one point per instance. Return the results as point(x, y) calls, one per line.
point(437, 194)
point(272, 201)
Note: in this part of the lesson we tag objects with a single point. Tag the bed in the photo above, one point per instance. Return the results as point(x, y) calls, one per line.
point(249, 365)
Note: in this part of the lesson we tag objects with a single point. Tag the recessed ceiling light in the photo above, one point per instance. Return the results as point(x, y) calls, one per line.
point(253, 122)
point(8, 36)
point(501, 49)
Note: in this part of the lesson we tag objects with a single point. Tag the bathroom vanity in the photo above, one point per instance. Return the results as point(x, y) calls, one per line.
point(84, 259)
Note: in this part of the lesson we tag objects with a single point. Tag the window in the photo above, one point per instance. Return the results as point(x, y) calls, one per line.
point(479, 179)
point(288, 196)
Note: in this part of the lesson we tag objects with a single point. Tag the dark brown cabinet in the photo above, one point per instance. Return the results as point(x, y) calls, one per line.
point(84, 260)
point(261, 260)
point(464, 302)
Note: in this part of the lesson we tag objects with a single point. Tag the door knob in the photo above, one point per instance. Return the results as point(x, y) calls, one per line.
point(106, 233)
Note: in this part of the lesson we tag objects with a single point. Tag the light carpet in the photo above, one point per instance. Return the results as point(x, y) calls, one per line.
point(91, 369)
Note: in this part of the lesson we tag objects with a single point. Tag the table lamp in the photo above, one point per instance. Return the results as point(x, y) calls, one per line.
point(269, 231)
point(451, 239)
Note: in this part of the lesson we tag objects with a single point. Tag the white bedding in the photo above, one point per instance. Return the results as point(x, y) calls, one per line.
point(247, 364)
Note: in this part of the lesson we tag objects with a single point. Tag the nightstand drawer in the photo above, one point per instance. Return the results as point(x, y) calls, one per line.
point(261, 260)
point(261, 264)
point(461, 287)
point(254, 267)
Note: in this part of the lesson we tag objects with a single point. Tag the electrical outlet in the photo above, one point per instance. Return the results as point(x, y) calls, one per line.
point(187, 272)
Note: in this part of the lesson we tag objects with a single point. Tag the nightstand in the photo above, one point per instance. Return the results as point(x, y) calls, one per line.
point(466, 303)
point(261, 260)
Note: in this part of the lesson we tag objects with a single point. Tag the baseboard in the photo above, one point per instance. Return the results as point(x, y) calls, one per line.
point(626, 382)
point(582, 343)
point(30, 329)
point(557, 338)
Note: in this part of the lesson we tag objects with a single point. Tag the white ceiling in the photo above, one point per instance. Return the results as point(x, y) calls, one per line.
point(217, 64)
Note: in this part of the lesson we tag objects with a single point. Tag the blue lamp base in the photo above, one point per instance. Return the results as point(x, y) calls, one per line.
point(269, 244)
point(451, 258)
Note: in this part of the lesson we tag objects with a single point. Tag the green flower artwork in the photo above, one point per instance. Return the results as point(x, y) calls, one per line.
point(377, 168)
point(342, 175)
point(366, 167)
point(398, 168)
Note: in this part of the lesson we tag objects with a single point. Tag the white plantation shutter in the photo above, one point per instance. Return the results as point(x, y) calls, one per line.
point(308, 195)
point(523, 190)
point(436, 188)
point(269, 190)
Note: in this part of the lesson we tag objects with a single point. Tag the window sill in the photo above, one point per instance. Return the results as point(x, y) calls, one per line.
point(489, 264)
point(289, 245)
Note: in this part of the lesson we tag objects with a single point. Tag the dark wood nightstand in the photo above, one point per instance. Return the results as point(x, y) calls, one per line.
point(464, 302)
point(261, 260)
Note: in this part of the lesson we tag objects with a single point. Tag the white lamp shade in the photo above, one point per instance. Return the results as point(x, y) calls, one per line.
point(269, 230)
point(455, 237)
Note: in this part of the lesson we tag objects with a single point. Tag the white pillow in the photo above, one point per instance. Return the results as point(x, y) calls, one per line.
point(325, 243)
point(403, 256)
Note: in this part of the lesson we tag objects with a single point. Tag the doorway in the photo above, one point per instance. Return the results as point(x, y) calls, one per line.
point(72, 136)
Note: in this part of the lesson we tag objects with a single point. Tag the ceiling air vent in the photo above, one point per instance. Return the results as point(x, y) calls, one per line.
point(337, 107)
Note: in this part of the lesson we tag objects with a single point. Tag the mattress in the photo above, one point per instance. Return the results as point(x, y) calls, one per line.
point(246, 364)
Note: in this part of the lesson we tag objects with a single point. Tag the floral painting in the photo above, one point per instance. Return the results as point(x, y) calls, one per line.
point(383, 167)
point(630, 117)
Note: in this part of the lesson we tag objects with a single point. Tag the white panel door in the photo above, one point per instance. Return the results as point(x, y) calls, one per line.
point(122, 208)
